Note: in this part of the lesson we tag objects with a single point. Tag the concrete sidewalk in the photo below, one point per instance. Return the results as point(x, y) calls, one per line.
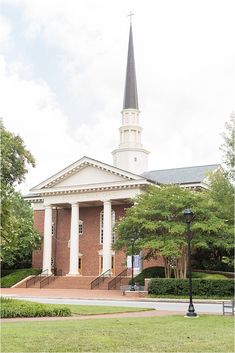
point(64, 293)
point(98, 294)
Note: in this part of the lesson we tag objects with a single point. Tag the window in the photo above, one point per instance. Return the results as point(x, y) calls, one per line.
point(102, 226)
point(79, 264)
point(101, 264)
point(113, 223)
point(80, 227)
point(112, 264)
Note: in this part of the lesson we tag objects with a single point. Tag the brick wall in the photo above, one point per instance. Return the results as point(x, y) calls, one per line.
point(89, 241)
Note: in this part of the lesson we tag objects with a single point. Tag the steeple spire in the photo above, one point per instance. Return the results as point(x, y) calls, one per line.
point(130, 154)
point(130, 95)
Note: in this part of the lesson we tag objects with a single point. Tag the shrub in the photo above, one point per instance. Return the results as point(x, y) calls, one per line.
point(18, 308)
point(149, 272)
point(201, 287)
point(17, 276)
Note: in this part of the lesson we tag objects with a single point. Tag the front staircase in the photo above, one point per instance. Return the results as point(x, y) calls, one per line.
point(76, 282)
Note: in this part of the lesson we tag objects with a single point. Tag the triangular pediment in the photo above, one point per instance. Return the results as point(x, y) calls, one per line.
point(87, 171)
point(89, 175)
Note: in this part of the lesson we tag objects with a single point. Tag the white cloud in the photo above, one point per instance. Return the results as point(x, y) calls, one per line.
point(185, 71)
point(30, 109)
point(5, 32)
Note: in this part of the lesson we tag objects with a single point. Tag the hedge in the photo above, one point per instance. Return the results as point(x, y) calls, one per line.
point(19, 308)
point(201, 287)
point(16, 276)
point(149, 272)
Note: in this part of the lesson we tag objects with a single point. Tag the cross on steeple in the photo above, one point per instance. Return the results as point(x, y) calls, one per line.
point(130, 15)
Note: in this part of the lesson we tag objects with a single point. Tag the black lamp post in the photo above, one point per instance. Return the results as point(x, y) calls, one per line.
point(188, 215)
point(132, 264)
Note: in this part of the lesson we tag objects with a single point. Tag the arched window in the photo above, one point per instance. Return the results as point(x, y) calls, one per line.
point(102, 226)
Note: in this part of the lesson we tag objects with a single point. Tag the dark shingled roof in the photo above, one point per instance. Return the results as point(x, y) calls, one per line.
point(130, 96)
point(186, 175)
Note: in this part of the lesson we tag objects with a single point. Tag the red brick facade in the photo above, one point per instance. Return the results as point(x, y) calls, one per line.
point(89, 241)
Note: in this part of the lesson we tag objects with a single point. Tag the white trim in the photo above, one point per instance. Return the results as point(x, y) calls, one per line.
point(94, 187)
point(82, 163)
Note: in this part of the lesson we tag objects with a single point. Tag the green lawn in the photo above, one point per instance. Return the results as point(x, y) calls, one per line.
point(205, 275)
point(22, 308)
point(97, 309)
point(156, 334)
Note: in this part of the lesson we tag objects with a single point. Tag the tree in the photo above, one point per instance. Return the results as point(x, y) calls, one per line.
point(222, 194)
point(18, 236)
point(156, 219)
point(228, 145)
point(15, 158)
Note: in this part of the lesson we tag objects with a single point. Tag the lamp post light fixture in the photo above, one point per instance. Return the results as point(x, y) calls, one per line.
point(132, 264)
point(188, 216)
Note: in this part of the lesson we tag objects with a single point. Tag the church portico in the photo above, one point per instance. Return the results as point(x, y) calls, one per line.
point(77, 226)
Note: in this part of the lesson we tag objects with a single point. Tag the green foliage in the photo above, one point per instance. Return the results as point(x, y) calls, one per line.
point(219, 256)
point(201, 287)
point(15, 157)
point(16, 276)
point(159, 272)
point(222, 193)
point(228, 146)
point(19, 308)
point(149, 272)
point(18, 236)
point(156, 222)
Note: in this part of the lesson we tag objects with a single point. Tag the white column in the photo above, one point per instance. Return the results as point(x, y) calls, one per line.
point(74, 239)
point(107, 236)
point(47, 242)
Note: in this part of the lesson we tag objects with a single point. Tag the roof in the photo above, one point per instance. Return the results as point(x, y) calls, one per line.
point(186, 175)
point(130, 96)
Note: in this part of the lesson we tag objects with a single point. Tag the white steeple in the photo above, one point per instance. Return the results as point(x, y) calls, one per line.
point(130, 155)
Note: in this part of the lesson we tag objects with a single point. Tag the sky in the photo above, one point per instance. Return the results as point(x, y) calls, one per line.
point(62, 74)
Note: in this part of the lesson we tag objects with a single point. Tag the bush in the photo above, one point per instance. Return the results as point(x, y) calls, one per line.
point(201, 287)
point(149, 272)
point(19, 308)
point(17, 276)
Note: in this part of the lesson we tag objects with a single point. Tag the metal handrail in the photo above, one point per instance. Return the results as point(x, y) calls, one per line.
point(97, 280)
point(35, 279)
point(46, 280)
point(117, 279)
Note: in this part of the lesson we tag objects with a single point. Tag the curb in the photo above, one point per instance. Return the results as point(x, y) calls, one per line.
point(157, 300)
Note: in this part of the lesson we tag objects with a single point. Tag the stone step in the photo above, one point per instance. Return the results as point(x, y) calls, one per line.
point(77, 282)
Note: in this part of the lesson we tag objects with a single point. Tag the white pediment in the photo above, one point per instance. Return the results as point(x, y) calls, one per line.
point(87, 171)
point(89, 175)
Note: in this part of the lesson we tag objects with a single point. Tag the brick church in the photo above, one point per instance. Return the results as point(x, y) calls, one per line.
point(75, 209)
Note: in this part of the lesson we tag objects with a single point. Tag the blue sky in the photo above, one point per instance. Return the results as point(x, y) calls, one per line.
point(62, 71)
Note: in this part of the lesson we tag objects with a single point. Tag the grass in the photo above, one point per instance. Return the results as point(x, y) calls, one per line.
point(204, 275)
point(16, 276)
point(156, 334)
point(23, 308)
point(159, 272)
point(97, 309)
